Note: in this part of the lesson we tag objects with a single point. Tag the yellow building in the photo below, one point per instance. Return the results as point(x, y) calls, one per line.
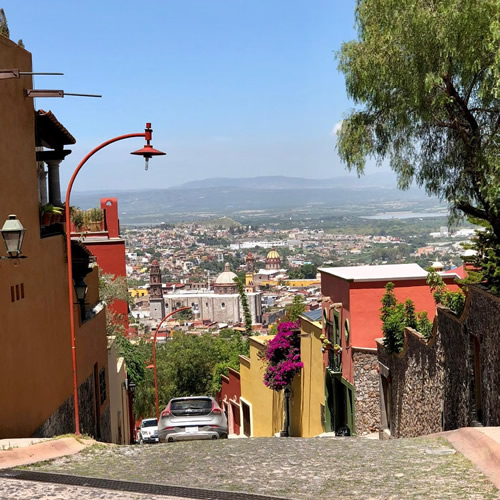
point(261, 409)
point(307, 405)
point(138, 292)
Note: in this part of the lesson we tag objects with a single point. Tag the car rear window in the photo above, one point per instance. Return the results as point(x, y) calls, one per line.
point(149, 423)
point(191, 406)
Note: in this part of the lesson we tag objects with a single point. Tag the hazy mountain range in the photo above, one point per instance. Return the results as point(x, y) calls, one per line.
point(271, 195)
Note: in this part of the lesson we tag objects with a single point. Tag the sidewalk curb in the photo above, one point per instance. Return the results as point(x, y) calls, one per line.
point(46, 450)
point(481, 450)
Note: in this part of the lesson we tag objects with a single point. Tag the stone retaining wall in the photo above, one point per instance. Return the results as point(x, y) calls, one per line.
point(367, 397)
point(430, 385)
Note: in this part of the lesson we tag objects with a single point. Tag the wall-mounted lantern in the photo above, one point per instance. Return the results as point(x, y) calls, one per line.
point(13, 235)
point(81, 290)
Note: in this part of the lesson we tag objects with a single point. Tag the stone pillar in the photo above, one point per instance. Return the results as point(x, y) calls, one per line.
point(42, 184)
point(54, 185)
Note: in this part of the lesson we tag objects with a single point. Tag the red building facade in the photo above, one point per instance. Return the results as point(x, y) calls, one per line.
point(109, 249)
point(351, 318)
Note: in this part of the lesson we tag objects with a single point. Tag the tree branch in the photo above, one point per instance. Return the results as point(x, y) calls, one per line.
point(469, 209)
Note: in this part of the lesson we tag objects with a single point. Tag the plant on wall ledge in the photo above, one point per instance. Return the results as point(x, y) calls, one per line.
point(283, 356)
point(396, 316)
point(455, 301)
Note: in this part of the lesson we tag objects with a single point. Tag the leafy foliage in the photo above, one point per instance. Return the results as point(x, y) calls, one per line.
point(296, 308)
point(283, 356)
point(452, 300)
point(188, 365)
point(396, 317)
point(4, 27)
point(244, 303)
point(113, 288)
point(424, 324)
point(425, 79)
point(487, 258)
point(306, 271)
point(393, 328)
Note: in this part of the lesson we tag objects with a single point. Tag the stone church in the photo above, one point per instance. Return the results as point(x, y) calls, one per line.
point(220, 304)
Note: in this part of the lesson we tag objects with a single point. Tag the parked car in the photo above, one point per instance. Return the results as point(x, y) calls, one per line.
point(148, 431)
point(194, 417)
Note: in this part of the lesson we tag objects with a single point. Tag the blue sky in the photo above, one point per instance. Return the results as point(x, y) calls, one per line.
point(232, 87)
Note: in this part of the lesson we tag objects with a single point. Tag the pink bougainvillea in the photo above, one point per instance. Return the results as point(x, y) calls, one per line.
point(283, 356)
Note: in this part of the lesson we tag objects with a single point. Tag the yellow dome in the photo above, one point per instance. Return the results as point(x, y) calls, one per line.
point(273, 254)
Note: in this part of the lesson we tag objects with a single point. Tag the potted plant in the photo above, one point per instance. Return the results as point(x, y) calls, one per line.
point(77, 218)
point(326, 345)
point(50, 214)
point(337, 348)
point(94, 218)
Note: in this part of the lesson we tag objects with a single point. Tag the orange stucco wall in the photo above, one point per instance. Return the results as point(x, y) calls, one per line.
point(34, 341)
point(35, 345)
point(365, 304)
point(361, 303)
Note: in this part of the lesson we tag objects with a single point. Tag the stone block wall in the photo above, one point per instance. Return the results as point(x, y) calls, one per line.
point(430, 385)
point(483, 322)
point(62, 421)
point(367, 397)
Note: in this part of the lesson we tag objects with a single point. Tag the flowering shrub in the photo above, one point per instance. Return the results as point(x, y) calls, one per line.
point(283, 356)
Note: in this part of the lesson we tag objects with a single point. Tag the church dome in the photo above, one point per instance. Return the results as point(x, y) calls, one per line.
point(273, 254)
point(226, 277)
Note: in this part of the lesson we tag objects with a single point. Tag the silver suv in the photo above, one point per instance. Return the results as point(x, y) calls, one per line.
point(194, 417)
point(148, 431)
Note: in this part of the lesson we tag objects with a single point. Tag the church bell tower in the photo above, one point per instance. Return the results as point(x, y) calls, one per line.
point(156, 301)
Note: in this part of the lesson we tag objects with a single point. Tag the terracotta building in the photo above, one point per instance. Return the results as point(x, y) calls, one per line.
point(37, 390)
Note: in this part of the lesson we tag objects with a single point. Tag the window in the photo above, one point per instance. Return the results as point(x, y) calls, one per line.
point(346, 331)
point(223, 305)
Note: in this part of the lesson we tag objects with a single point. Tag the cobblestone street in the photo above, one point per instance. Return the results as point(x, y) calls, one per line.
point(289, 468)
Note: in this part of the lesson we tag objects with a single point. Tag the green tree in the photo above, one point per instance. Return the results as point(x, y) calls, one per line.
point(4, 28)
point(296, 308)
point(113, 288)
point(187, 365)
point(388, 301)
point(396, 316)
point(424, 76)
point(487, 259)
point(393, 328)
point(410, 316)
point(244, 303)
point(452, 300)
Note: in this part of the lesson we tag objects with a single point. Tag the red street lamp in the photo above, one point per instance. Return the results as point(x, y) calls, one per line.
point(148, 152)
point(154, 357)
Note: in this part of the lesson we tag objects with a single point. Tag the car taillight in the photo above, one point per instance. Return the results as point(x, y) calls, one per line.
point(215, 409)
point(166, 412)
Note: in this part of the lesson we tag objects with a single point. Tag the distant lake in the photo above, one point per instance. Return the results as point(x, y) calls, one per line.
point(405, 215)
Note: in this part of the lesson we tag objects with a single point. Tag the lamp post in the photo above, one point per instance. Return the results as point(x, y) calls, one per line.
point(147, 152)
point(154, 357)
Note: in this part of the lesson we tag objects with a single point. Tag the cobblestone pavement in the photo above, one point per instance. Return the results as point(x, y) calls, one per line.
point(13, 489)
point(295, 468)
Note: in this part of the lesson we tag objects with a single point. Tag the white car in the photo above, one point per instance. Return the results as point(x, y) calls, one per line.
point(148, 431)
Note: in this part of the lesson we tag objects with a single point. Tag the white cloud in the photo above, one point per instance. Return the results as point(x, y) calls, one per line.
point(336, 128)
